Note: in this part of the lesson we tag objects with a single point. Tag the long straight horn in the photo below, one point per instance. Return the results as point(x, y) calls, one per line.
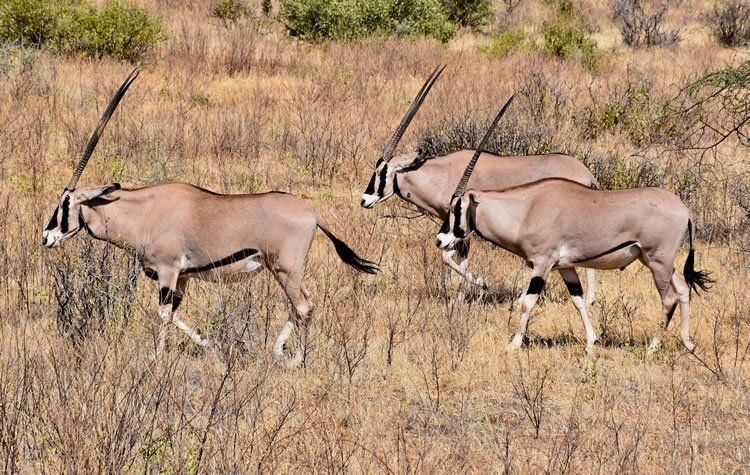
point(390, 146)
point(470, 167)
point(99, 129)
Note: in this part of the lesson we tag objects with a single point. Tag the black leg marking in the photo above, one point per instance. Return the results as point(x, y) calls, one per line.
point(536, 285)
point(151, 274)
point(462, 247)
point(166, 296)
point(574, 288)
point(176, 301)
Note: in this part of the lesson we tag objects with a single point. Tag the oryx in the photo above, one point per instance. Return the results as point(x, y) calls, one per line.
point(558, 224)
point(180, 231)
point(425, 181)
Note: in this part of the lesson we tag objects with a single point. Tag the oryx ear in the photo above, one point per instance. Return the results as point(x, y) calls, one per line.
point(473, 197)
point(100, 192)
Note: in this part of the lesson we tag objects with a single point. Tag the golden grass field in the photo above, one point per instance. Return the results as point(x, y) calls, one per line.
point(401, 375)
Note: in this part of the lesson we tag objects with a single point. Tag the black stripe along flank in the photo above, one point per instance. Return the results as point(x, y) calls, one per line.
point(616, 248)
point(237, 256)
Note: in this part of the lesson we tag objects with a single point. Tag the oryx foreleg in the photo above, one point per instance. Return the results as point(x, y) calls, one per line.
point(171, 291)
point(529, 299)
point(570, 277)
point(462, 249)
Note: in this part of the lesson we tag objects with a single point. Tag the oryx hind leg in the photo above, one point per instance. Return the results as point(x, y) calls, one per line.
point(529, 299)
point(299, 318)
point(171, 292)
point(590, 286)
point(672, 287)
point(570, 277)
point(683, 294)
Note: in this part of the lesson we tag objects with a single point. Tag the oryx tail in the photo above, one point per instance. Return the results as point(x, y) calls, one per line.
point(695, 278)
point(347, 254)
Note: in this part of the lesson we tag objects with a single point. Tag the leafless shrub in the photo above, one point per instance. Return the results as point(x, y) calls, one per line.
point(94, 284)
point(730, 22)
point(642, 22)
point(528, 388)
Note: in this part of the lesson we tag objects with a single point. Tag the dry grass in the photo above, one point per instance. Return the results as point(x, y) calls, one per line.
point(402, 377)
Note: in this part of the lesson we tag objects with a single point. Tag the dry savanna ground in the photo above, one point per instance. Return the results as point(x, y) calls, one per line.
point(402, 376)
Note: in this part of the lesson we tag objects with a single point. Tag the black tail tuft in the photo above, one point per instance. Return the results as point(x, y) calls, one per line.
point(350, 257)
point(696, 278)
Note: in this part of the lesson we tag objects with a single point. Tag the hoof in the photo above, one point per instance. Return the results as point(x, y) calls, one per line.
point(689, 345)
point(515, 344)
point(204, 342)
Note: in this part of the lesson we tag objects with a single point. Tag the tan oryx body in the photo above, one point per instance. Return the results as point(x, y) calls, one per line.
point(556, 224)
point(180, 231)
point(425, 181)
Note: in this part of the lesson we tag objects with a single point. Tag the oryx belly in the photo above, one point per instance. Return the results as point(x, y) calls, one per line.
point(236, 267)
point(617, 257)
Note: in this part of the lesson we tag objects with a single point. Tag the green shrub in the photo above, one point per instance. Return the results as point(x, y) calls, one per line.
point(345, 20)
point(635, 113)
point(472, 13)
point(564, 41)
point(506, 43)
point(229, 12)
point(118, 29)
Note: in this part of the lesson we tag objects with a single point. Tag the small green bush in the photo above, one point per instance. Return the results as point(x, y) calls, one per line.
point(564, 41)
point(471, 13)
point(636, 113)
point(506, 43)
point(118, 29)
point(229, 12)
point(346, 20)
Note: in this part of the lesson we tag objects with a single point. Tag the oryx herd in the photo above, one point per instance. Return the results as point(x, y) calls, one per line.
point(546, 209)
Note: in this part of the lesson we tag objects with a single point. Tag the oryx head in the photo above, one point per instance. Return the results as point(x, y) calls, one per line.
point(67, 218)
point(459, 224)
point(380, 187)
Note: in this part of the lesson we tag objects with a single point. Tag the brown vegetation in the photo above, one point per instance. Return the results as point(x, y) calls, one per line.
point(401, 377)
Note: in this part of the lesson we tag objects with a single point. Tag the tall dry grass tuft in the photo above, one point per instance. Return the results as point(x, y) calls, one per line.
point(401, 376)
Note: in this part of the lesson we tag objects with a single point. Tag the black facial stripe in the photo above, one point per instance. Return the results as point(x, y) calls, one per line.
point(446, 225)
point(574, 288)
point(601, 254)
point(536, 285)
point(457, 231)
point(165, 296)
point(53, 222)
point(371, 186)
point(381, 185)
point(237, 256)
point(65, 212)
